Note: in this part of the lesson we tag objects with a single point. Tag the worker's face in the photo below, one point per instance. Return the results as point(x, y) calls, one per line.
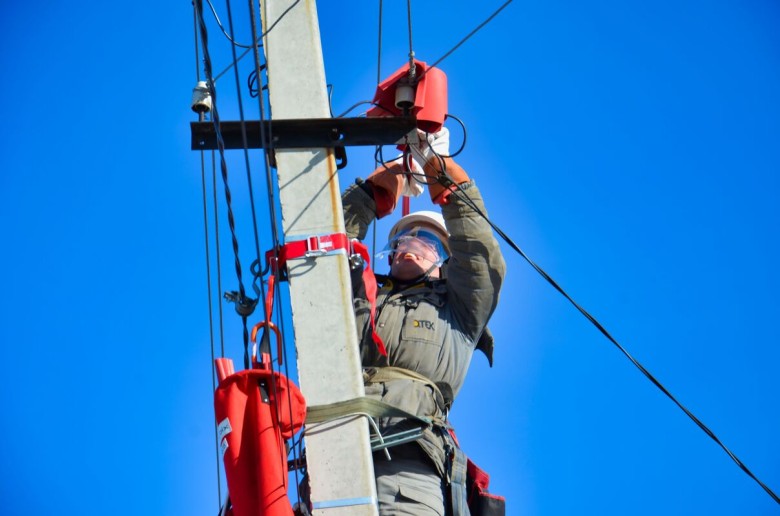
point(413, 257)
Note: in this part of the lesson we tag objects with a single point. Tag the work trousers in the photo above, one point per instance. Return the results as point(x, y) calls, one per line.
point(408, 487)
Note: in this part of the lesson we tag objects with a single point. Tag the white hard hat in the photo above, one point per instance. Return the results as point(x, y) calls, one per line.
point(430, 220)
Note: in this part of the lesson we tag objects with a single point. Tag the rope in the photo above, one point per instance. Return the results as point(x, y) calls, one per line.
point(463, 196)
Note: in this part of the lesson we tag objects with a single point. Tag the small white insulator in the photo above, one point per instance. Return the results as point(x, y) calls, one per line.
point(201, 98)
point(404, 96)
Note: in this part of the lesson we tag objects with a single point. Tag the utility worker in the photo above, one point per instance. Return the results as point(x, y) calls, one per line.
point(432, 311)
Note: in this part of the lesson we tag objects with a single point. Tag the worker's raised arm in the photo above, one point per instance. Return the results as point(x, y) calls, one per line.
point(372, 199)
point(476, 268)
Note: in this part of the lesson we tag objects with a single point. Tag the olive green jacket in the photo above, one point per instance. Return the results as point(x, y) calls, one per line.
point(433, 327)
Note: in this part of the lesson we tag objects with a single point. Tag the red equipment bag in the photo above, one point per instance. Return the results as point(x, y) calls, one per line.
point(256, 411)
point(482, 503)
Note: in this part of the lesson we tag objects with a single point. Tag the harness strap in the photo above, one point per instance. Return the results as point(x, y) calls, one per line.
point(362, 405)
point(325, 245)
point(389, 373)
point(369, 280)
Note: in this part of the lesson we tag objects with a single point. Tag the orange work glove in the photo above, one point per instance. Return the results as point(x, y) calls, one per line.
point(387, 183)
point(442, 180)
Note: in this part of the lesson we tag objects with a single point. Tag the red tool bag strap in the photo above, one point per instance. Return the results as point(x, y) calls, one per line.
point(256, 410)
point(369, 280)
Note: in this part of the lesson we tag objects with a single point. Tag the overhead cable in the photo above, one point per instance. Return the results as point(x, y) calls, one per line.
point(469, 35)
point(244, 305)
point(250, 47)
point(208, 269)
point(230, 36)
point(271, 205)
point(463, 196)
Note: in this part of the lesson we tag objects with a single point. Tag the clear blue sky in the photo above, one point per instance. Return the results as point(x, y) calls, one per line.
point(630, 148)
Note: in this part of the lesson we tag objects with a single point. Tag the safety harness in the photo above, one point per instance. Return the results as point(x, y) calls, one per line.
point(467, 484)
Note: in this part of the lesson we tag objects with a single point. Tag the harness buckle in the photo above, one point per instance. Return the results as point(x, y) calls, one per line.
point(318, 245)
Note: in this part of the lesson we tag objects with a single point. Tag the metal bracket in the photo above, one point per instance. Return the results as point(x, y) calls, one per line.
point(302, 133)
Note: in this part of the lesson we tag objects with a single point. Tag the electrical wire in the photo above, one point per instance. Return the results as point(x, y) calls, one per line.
point(254, 83)
point(220, 314)
point(457, 192)
point(245, 140)
point(249, 48)
point(468, 36)
point(241, 298)
point(208, 269)
point(230, 37)
point(463, 144)
point(378, 150)
point(218, 253)
point(269, 176)
point(412, 68)
point(463, 196)
point(379, 47)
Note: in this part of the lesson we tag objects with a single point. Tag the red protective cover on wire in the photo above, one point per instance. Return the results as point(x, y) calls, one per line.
point(430, 98)
point(256, 410)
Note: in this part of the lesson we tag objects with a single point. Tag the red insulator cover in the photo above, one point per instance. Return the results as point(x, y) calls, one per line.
point(430, 99)
point(256, 410)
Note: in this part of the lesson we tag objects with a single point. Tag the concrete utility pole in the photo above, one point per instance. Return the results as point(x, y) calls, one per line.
point(338, 454)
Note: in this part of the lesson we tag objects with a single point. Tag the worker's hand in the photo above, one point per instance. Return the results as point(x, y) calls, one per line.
point(428, 151)
point(441, 142)
point(387, 185)
point(432, 145)
point(426, 146)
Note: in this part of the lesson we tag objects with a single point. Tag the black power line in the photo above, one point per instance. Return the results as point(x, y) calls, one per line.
point(463, 196)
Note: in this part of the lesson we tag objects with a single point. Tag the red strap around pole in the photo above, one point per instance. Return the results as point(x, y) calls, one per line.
point(313, 246)
point(320, 245)
point(309, 247)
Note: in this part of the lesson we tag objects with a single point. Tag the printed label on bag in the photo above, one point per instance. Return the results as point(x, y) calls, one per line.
point(224, 428)
point(223, 446)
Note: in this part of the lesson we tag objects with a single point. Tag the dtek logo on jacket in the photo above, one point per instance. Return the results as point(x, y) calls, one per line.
point(428, 325)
